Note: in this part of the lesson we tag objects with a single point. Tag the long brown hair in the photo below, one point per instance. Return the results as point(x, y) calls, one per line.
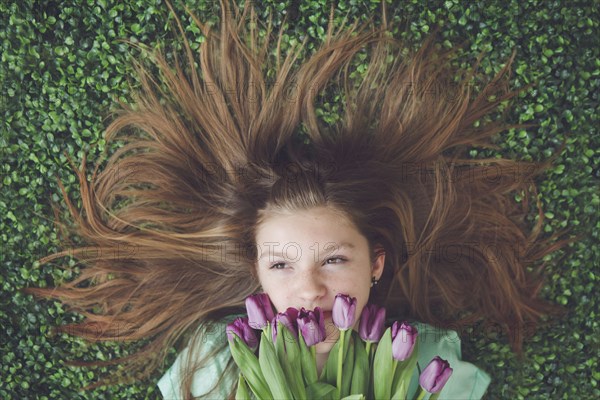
point(208, 150)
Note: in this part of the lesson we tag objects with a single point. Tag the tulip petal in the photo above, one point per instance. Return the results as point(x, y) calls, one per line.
point(404, 337)
point(435, 375)
point(372, 323)
point(259, 309)
point(343, 311)
point(241, 328)
point(312, 326)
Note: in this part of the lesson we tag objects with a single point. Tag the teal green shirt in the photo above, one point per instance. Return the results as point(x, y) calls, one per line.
point(467, 381)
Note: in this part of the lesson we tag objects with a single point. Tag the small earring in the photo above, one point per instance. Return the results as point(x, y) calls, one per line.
point(374, 281)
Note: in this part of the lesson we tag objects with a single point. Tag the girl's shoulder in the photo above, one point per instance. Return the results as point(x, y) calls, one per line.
point(213, 338)
point(467, 380)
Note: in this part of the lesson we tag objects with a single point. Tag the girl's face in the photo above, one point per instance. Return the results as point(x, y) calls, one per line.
point(306, 258)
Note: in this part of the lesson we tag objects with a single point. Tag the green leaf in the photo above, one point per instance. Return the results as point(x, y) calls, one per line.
point(404, 373)
point(329, 373)
point(288, 354)
point(242, 392)
point(382, 366)
point(136, 28)
point(279, 343)
point(249, 366)
point(309, 367)
point(347, 367)
point(362, 372)
point(320, 390)
point(272, 371)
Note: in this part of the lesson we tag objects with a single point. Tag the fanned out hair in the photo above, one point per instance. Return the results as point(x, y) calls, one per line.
point(169, 222)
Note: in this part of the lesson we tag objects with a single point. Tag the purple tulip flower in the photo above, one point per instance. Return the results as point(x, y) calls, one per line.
point(372, 323)
point(260, 311)
point(287, 318)
point(242, 329)
point(404, 337)
point(344, 308)
point(435, 375)
point(312, 326)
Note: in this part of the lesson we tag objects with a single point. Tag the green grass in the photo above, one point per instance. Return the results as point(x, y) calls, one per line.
point(63, 66)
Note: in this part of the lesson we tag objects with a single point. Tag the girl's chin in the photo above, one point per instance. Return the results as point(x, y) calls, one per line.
point(324, 347)
point(333, 334)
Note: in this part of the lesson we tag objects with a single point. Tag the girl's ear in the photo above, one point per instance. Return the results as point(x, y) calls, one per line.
point(379, 262)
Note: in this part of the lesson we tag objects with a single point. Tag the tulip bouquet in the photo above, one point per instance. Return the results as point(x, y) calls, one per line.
point(373, 363)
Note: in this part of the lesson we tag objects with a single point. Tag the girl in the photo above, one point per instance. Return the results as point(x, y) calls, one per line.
point(231, 183)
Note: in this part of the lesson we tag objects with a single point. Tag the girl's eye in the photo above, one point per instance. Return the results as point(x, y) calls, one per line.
point(335, 260)
point(278, 266)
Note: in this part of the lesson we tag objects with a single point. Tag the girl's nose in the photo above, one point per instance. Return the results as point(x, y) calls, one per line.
point(310, 287)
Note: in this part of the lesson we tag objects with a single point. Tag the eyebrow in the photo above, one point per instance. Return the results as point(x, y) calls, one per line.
point(330, 248)
point(274, 254)
point(342, 245)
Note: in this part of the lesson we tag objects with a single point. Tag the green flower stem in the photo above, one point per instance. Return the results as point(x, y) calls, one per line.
point(372, 355)
point(268, 330)
point(340, 361)
point(370, 363)
point(422, 394)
